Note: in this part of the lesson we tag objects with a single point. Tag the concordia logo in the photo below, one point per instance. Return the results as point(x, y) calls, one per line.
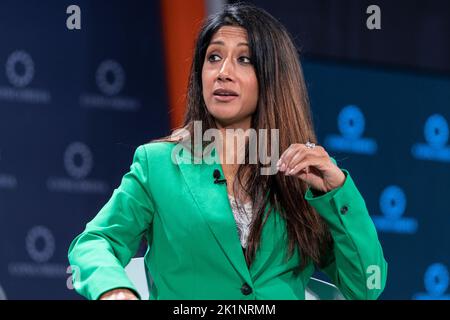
point(78, 162)
point(436, 283)
point(110, 79)
point(351, 124)
point(40, 246)
point(393, 205)
point(20, 71)
point(436, 136)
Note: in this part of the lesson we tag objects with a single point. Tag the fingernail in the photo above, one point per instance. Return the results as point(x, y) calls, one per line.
point(283, 167)
point(291, 171)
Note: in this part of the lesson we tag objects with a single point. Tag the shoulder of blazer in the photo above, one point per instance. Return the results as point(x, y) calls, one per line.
point(159, 146)
point(159, 152)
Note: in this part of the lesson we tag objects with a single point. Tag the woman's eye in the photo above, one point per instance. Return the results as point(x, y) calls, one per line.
point(213, 57)
point(245, 59)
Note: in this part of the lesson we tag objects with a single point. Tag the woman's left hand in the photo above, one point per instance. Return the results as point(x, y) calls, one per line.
point(312, 165)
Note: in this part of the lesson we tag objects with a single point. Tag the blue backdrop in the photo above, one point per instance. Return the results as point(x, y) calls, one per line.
point(390, 130)
point(74, 104)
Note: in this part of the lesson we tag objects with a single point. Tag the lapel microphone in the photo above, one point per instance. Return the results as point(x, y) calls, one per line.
point(217, 180)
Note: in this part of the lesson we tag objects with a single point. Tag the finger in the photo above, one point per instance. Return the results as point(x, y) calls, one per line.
point(283, 155)
point(317, 162)
point(287, 155)
point(301, 154)
point(296, 160)
point(130, 296)
point(302, 166)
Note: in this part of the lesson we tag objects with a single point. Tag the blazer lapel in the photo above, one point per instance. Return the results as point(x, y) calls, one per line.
point(212, 201)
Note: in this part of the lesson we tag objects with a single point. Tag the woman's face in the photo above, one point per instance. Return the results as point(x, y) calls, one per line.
point(230, 86)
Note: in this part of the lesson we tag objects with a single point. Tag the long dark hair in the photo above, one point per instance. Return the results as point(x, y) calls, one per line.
point(282, 104)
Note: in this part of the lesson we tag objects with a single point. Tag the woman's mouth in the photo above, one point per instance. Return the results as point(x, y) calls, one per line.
point(224, 95)
point(224, 98)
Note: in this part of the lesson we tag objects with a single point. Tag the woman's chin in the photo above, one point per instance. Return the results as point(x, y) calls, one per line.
point(225, 120)
point(224, 113)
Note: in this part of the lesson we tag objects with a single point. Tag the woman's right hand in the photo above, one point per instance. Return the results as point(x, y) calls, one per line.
point(119, 294)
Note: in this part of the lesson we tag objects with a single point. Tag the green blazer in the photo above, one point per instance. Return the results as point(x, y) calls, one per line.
point(194, 250)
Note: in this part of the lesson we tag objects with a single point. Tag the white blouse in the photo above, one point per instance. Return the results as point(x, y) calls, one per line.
point(243, 219)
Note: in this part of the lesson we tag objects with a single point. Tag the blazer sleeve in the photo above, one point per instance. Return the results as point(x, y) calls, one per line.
point(356, 264)
point(99, 254)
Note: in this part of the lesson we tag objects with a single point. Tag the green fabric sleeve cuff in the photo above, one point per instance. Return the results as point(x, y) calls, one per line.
point(310, 195)
point(105, 279)
point(337, 203)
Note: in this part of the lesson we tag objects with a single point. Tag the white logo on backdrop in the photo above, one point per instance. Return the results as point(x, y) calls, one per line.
point(20, 59)
point(20, 71)
point(7, 181)
point(80, 150)
point(40, 245)
point(40, 234)
point(110, 79)
point(78, 162)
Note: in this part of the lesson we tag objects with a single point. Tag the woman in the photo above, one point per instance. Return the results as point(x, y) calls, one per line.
point(257, 236)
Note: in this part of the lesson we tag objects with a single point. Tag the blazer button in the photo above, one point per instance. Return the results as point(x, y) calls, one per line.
point(246, 289)
point(344, 209)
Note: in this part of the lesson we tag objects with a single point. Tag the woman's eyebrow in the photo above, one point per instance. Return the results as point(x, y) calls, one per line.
point(219, 42)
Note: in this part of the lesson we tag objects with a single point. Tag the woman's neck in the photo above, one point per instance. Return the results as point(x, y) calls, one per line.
point(232, 153)
point(233, 140)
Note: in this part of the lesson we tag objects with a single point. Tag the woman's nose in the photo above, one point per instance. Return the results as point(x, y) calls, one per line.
point(225, 71)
